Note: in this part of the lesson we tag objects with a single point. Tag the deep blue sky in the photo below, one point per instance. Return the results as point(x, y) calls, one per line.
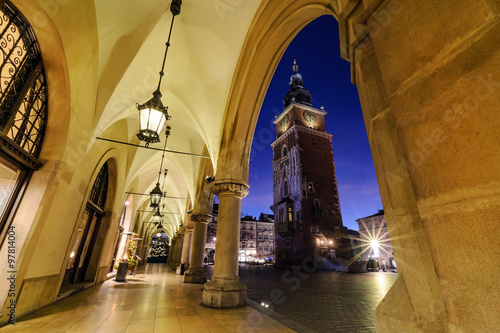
point(327, 77)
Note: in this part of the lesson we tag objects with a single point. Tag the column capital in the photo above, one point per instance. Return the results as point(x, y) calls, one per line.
point(236, 189)
point(201, 218)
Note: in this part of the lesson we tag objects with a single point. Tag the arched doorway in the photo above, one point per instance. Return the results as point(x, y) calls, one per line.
point(88, 229)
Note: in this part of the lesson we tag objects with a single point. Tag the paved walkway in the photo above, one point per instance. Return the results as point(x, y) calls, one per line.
point(321, 301)
point(155, 300)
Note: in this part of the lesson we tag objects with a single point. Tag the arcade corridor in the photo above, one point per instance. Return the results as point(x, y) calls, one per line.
point(154, 300)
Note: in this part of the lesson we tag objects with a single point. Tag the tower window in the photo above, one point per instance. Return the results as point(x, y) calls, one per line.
point(284, 151)
point(285, 188)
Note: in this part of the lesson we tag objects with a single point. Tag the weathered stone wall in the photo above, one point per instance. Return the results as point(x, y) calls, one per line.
point(429, 82)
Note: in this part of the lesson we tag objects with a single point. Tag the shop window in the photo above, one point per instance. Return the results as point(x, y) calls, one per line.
point(23, 108)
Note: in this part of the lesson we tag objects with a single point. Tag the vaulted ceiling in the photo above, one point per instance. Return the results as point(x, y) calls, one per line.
point(205, 46)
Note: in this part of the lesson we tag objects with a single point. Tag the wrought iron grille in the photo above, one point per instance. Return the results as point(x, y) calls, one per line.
point(23, 88)
point(100, 187)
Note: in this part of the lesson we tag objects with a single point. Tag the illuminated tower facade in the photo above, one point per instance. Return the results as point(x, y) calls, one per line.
point(308, 222)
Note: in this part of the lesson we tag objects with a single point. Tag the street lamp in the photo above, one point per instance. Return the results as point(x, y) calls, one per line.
point(375, 245)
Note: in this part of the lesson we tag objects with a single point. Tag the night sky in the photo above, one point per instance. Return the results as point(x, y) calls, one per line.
point(327, 77)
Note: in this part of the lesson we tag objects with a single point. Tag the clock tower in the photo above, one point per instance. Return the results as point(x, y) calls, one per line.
point(308, 222)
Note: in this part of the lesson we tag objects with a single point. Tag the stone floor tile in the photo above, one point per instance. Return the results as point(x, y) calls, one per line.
point(210, 321)
point(166, 323)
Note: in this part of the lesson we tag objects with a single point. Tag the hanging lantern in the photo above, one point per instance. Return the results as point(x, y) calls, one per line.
point(157, 216)
point(152, 114)
point(152, 117)
point(155, 196)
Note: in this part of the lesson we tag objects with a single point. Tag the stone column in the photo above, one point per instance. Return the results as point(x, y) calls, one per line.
point(171, 251)
point(196, 273)
point(186, 249)
point(176, 251)
point(431, 114)
point(225, 290)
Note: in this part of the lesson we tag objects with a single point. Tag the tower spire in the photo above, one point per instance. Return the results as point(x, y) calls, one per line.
point(297, 93)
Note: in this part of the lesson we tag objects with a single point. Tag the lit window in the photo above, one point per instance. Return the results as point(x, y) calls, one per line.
point(310, 187)
point(290, 214)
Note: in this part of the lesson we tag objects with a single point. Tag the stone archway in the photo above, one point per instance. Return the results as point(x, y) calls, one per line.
point(93, 226)
point(429, 107)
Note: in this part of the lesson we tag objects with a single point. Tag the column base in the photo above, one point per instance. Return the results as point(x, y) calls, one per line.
point(224, 293)
point(195, 275)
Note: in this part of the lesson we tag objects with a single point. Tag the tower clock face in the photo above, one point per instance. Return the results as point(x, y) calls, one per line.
point(310, 117)
point(284, 121)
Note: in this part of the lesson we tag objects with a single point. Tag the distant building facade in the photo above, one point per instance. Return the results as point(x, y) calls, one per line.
point(256, 237)
point(306, 205)
point(375, 239)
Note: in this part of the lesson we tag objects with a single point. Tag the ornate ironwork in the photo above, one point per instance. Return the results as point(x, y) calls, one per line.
point(100, 187)
point(23, 88)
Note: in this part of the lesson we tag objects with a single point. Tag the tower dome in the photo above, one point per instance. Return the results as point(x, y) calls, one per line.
point(297, 93)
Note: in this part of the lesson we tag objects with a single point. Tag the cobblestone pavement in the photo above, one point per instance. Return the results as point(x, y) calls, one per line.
point(321, 301)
